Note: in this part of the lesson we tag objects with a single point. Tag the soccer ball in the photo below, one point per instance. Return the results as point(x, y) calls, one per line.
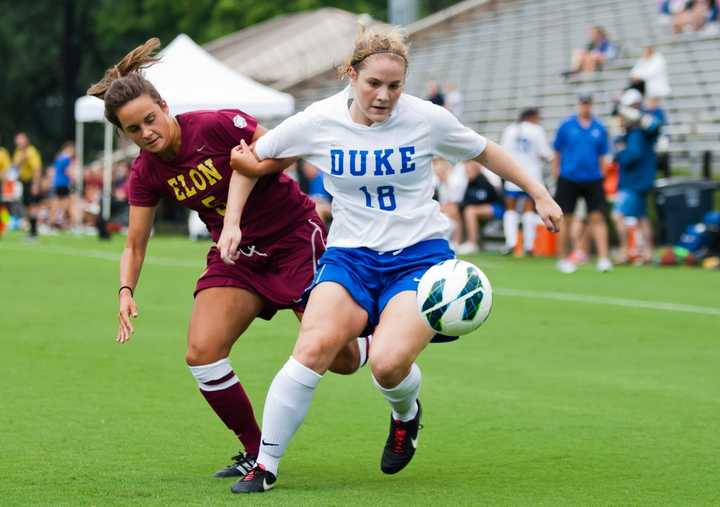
point(454, 297)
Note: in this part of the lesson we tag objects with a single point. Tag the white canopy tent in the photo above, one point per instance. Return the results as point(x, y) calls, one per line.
point(188, 78)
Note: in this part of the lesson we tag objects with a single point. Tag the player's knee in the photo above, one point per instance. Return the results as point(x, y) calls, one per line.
point(315, 348)
point(318, 345)
point(200, 354)
point(388, 369)
point(347, 361)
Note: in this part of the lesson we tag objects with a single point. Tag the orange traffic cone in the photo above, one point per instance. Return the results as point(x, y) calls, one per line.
point(545, 242)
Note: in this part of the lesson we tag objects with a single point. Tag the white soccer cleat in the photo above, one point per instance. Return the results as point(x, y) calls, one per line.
point(566, 266)
point(467, 248)
point(604, 265)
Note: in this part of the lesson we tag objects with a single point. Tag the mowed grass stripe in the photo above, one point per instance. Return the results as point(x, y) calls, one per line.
point(502, 291)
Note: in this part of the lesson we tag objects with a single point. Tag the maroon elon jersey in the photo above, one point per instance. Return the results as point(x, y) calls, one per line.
point(199, 177)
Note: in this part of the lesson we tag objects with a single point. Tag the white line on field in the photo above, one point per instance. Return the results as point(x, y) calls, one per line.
point(99, 254)
point(627, 303)
point(557, 296)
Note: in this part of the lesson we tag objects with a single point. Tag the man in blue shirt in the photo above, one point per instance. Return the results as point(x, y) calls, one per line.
point(581, 144)
point(61, 185)
point(638, 164)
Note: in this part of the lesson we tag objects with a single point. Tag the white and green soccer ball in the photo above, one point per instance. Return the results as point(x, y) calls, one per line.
point(454, 297)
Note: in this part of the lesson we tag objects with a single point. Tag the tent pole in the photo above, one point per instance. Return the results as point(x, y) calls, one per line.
point(107, 171)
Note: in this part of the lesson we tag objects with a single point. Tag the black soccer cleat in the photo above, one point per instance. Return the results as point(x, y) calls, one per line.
point(257, 480)
point(401, 443)
point(241, 465)
point(441, 338)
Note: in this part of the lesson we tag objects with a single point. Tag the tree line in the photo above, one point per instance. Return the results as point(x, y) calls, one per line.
point(50, 51)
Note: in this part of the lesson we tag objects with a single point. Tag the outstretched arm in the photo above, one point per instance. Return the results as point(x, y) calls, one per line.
point(501, 163)
point(244, 161)
point(139, 227)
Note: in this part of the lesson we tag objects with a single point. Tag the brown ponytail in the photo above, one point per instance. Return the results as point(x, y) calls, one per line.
point(124, 81)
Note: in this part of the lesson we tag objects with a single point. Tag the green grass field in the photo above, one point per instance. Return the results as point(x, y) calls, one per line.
point(584, 389)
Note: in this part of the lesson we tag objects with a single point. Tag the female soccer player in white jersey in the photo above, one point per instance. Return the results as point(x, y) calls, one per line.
point(375, 146)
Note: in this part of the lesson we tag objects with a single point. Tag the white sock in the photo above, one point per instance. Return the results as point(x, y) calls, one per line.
point(403, 397)
point(208, 375)
point(511, 219)
point(529, 223)
point(286, 405)
point(364, 345)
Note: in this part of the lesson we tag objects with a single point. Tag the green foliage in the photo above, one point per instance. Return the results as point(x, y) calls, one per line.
point(30, 95)
point(100, 32)
point(42, 77)
point(51, 51)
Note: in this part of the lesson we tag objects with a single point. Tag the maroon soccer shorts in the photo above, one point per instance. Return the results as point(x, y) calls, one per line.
point(278, 271)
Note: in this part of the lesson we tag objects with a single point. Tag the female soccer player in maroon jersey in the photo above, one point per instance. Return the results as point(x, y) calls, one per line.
point(186, 158)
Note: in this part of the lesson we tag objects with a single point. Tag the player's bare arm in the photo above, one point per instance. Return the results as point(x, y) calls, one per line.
point(140, 225)
point(241, 184)
point(284, 163)
point(231, 235)
point(244, 161)
point(498, 161)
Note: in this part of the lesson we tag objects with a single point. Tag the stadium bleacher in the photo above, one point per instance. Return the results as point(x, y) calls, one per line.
point(508, 55)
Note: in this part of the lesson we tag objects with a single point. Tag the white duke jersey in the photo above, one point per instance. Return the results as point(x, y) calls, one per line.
point(527, 144)
point(380, 176)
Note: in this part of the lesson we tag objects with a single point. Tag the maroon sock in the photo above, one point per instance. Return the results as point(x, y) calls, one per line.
point(234, 408)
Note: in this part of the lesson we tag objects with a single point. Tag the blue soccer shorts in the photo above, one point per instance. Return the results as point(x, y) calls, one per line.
point(631, 203)
point(373, 278)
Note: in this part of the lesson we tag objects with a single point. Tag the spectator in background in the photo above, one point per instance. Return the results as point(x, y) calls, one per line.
point(4, 167)
point(89, 207)
point(652, 106)
point(651, 69)
point(29, 165)
point(451, 182)
point(669, 8)
point(435, 94)
point(316, 189)
point(93, 181)
point(45, 202)
point(481, 203)
point(581, 145)
point(525, 140)
point(61, 187)
point(453, 100)
point(694, 15)
point(579, 235)
point(635, 156)
point(598, 50)
point(5, 164)
point(4, 161)
point(662, 145)
point(120, 173)
point(119, 207)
